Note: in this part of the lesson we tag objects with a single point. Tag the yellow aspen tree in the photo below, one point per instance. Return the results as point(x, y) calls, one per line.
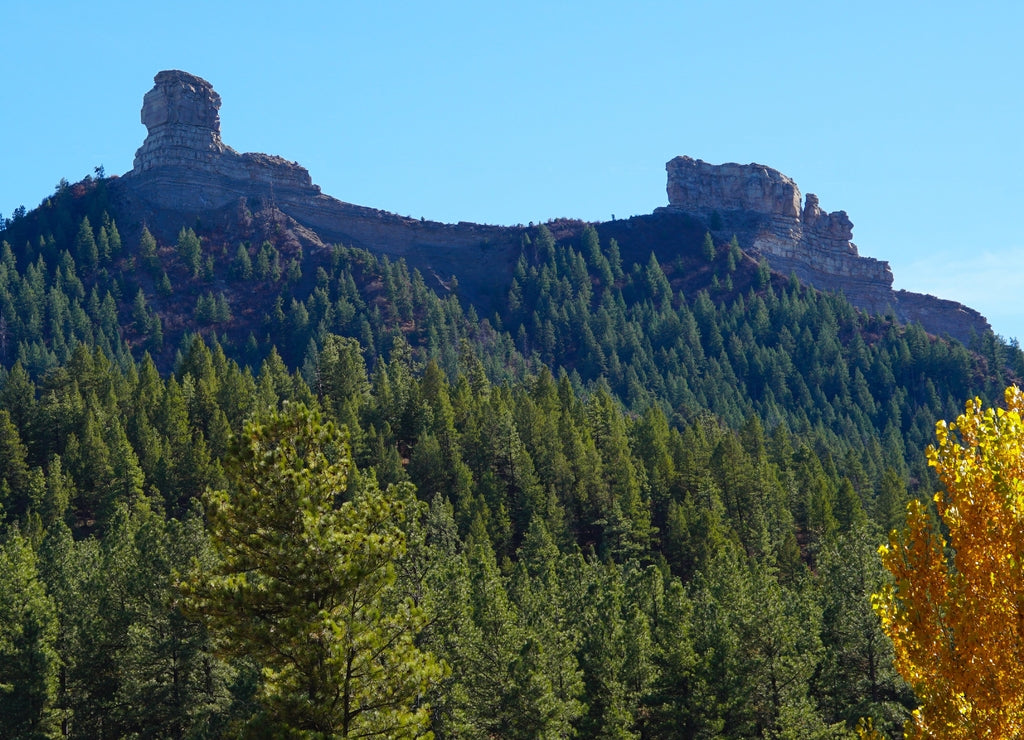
point(955, 608)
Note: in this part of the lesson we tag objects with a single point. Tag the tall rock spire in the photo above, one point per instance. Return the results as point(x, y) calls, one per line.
point(184, 165)
point(182, 115)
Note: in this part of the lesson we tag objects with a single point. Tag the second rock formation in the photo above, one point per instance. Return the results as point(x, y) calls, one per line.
point(762, 208)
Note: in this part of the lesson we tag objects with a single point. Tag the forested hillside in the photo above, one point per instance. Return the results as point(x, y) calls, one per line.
point(645, 497)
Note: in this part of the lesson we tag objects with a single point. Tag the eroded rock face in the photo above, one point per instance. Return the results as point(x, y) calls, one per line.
point(184, 165)
point(184, 170)
point(695, 186)
point(835, 225)
point(807, 241)
point(182, 116)
point(183, 99)
point(761, 206)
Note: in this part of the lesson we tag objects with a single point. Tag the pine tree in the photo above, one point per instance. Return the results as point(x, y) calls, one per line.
point(13, 470)
point(163, 285)
point(28, 633)
point(547, 663)
point(86, 250)
point(856, 678)
point(307, 587)
point(147, 252)
point(169, 682)
point(190, 251)
point(602, 656)
point(113, 235)
point(708, 247)
point(140, 312)
point(241, 265)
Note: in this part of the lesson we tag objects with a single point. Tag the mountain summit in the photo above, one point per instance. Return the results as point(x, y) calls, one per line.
point(184, 172)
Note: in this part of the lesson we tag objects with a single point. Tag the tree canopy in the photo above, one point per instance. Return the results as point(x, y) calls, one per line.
point(639, 495)
point(955, 610)
point(302, 580)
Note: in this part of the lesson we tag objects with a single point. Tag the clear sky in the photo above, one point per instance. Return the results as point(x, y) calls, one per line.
point(907, 115)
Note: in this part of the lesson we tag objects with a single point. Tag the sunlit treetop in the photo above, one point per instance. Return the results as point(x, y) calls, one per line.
point(955, 610)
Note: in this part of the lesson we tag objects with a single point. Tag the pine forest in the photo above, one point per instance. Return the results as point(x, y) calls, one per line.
point(251, 490)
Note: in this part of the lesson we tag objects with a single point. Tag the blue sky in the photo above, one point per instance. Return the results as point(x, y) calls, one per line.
point(909, 116)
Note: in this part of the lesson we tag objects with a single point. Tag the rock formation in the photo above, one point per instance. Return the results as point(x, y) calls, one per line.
point(182, 115)
point(183, 172)
point(761, 206)
point(695, 186)
point(184, 165)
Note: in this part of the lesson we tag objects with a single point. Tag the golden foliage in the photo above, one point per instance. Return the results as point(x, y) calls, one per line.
point(866, 730)
point(955, 610)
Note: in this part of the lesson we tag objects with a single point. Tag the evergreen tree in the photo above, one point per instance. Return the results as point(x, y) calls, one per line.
point(86, 251)
point(190, 251)
point(28, 632)
point(708, 247)
point(602, 654)
point(14, 472)
point(169, 682)
point(113, 235)
point(306, 587)
point(857, 678)
point(147, 252)
point(241, 266)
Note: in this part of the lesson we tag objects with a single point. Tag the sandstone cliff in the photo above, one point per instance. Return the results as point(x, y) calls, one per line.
point(762, 207)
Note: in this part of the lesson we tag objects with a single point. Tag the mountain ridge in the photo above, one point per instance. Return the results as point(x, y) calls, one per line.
point(654, 433)
point(183, 173)
point(184, 167)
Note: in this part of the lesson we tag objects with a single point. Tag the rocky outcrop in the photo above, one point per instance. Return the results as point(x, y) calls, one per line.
point(184, 165)
point(762, 208)
point(183, 171)
point(696, 186)
point(182, 115)
point(940, 316)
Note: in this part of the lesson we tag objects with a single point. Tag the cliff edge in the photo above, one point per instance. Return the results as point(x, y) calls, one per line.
point(184, 165)
point(184, 173)
point(766, 212)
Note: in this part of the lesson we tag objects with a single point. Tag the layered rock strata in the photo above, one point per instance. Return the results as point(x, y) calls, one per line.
point(184, 165)
point(184, 168)
point(762, 207)
point(184, 171)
